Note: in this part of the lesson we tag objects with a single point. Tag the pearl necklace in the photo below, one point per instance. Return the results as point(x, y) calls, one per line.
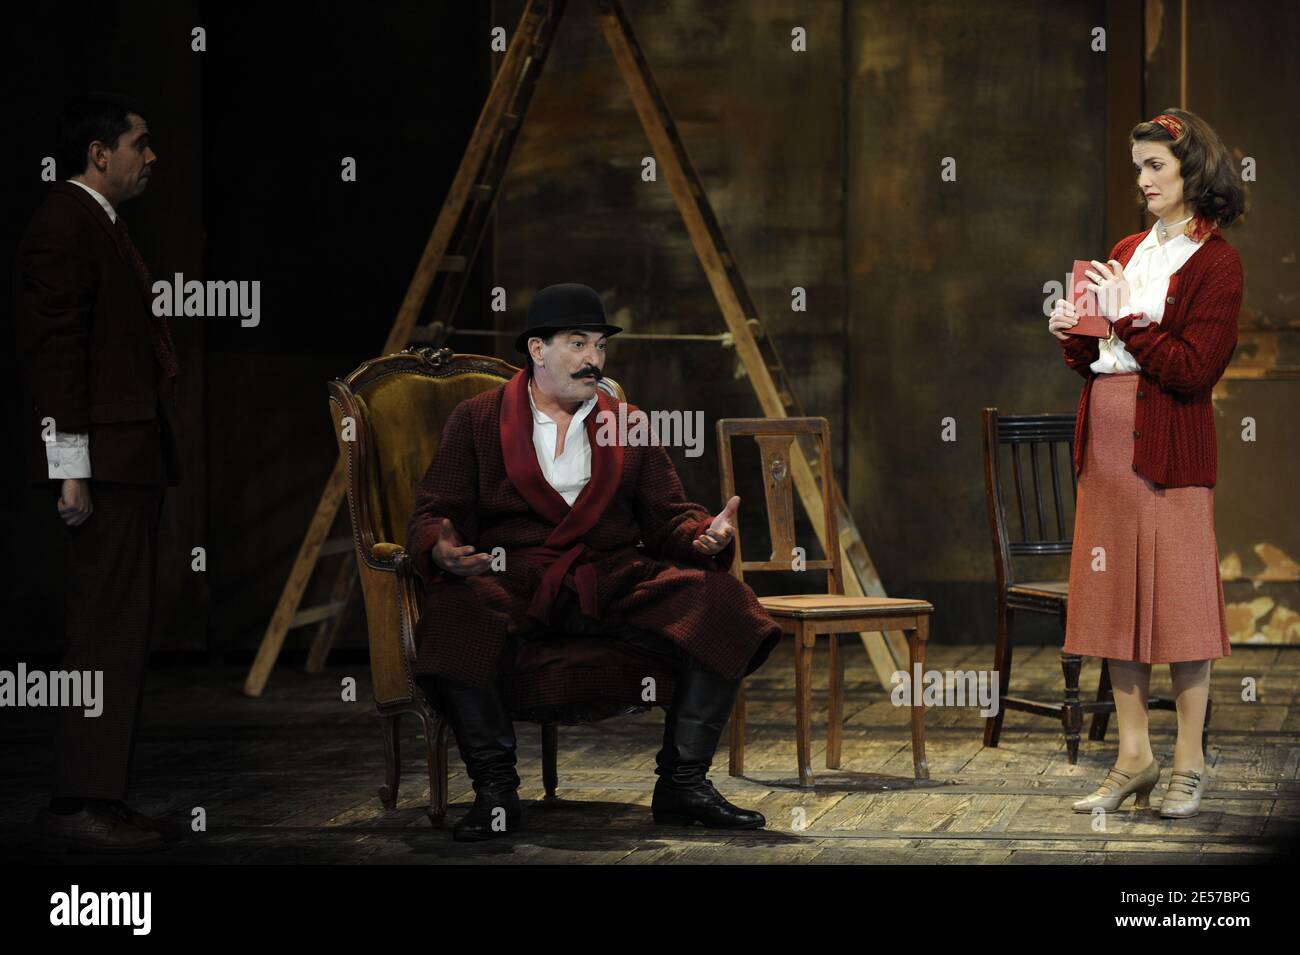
point(1163, 230)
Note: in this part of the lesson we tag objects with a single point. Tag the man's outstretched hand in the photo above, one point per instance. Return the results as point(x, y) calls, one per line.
point(450, 555)
point(719, 533)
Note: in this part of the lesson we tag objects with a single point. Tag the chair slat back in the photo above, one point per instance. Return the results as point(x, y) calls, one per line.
point(1038, 446)
point(776, 439)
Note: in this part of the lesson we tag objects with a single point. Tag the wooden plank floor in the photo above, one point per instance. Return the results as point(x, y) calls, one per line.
point(291, 778)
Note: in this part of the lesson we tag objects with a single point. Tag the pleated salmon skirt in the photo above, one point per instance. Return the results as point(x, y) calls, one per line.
point(1159, 598)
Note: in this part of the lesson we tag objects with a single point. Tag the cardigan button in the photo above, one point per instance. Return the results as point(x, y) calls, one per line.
point(1135, 467)
point(1169, 300)
point(1137, 433)
point(1142, 394)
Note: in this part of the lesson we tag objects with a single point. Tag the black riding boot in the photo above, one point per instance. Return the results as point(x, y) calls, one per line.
point(486, 739)
point(702, 699)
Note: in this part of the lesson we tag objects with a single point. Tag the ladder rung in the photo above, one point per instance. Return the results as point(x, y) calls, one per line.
point(317, 614)
point(481, 192)
point(510, 121)
point(337, 545)
point(453, 263)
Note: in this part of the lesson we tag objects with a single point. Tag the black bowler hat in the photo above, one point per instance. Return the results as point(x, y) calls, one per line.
point(557, 307)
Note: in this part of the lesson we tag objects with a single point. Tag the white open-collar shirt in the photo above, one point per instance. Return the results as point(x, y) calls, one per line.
point(1148, 272)
point(570, 472)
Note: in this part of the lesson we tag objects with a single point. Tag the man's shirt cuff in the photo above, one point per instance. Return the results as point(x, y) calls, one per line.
point(68, 456)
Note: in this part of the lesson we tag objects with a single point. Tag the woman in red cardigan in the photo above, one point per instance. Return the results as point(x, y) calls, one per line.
point(1144, 568)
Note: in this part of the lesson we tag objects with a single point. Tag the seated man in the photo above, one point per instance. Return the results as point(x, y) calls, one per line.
point(596, 538)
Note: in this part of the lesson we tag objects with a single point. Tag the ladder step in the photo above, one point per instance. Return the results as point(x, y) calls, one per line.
point(510, 121)
point(453, 263)
point(337, 545)
point(317, 614)
point(481, 192)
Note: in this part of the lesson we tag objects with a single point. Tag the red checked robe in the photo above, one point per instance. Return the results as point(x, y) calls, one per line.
point(486, 480)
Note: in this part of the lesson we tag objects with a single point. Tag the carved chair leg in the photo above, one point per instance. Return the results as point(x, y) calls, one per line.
point(804, 641)
point(1071, 713)
point(435, 754)
point(835, 703)
point(736, 739)
point(916, 643)
point(1001, 663)
point(390, 726)
point(550, 751)
point(1101, 718)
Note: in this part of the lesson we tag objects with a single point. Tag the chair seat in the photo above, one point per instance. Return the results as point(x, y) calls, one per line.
point(803, 606)
point(1041, 591)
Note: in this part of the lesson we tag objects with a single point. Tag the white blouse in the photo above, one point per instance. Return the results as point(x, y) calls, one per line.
point(570, 472)
point(1148, 273)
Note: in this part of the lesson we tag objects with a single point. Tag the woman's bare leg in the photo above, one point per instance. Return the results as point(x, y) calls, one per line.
point(1131, 683)
point(1191, 693)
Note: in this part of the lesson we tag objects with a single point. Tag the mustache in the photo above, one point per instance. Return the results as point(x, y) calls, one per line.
point(589, 370)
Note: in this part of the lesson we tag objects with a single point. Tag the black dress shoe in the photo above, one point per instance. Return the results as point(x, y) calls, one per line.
point(683, 795)
point(493, 814)
point(700, 802)
point(140, 820)
point(97, 827)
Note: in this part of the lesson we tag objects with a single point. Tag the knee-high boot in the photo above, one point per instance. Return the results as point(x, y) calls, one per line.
point(683, 795)
point(486, 739)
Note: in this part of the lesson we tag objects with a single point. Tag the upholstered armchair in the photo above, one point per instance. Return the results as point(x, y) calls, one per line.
point(388, 417)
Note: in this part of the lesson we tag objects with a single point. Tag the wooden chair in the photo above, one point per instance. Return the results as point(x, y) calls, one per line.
point(1048, 443)
point(388, 416)
point(805, 616)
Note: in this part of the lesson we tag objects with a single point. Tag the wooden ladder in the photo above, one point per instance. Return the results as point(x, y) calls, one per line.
point(450, 253)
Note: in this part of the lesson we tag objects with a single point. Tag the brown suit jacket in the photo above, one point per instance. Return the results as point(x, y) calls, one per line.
point(88, 357)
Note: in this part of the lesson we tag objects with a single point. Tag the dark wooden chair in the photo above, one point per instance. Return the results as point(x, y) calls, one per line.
point(805, 616)
point(1040, 448)
point(388, 418)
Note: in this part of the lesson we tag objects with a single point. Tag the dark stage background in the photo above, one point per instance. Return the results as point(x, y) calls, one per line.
point(925, 297)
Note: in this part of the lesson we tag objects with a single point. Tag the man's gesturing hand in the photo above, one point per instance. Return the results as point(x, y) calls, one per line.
point(718, 534)
point(451, 556)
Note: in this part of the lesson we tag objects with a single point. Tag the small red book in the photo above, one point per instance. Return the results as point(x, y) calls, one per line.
point(1091, 321)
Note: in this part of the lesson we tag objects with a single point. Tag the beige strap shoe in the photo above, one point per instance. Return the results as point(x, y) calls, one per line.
point(1117, 785)
point(1183, 794)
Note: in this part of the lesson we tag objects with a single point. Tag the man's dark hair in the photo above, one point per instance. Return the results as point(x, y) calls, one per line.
point(102, 116)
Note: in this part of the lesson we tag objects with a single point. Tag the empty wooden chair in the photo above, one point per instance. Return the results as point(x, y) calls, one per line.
point(806, 616)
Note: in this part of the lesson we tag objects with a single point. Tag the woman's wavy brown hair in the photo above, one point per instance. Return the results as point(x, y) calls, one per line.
point(1212, 186)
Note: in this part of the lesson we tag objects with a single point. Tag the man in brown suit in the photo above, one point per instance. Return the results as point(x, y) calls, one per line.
point(99, 391)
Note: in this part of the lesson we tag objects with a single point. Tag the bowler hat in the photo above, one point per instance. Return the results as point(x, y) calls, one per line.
point(558, 307)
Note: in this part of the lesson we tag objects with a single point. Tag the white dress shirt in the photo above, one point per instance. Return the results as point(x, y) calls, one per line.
point(1148, 272)
point(68, 455)
point(570, 472)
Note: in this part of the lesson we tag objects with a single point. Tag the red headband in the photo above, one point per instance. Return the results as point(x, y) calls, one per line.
point(1172, 124)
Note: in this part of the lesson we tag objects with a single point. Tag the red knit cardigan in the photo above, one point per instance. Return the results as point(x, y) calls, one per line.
point(1181, 358)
